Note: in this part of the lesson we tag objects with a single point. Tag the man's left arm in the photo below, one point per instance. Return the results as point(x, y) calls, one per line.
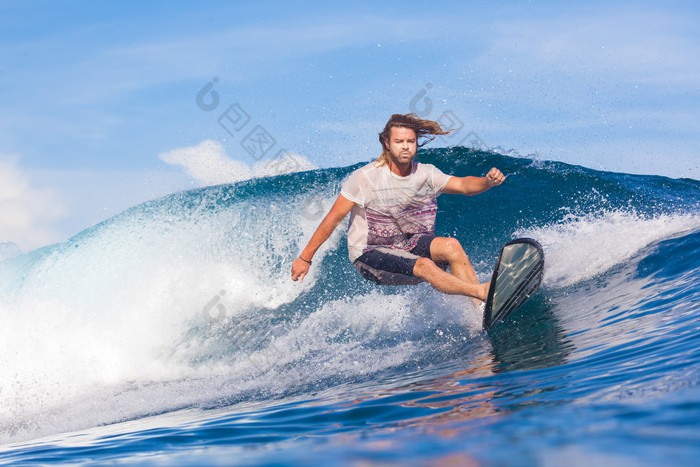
point(474, 185)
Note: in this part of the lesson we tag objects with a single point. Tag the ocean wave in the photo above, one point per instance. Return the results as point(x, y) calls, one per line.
point(187, 301)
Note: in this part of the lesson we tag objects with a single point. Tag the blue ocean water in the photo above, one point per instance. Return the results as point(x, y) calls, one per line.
point(172, 334)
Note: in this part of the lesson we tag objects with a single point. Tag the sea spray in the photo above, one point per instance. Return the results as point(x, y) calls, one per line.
point(187, 301)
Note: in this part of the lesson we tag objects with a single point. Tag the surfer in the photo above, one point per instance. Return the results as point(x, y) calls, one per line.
point(392, 205)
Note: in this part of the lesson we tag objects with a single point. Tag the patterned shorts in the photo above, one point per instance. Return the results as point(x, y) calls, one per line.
point(391, 266)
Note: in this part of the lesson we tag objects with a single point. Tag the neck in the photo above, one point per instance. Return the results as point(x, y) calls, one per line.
point(401, 170)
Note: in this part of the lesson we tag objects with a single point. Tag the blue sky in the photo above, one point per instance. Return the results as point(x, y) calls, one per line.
point(98, 100)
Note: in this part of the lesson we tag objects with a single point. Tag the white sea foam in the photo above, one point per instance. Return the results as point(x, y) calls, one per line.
point(581, 247)
point(141, 315)
point(124, 320)
point(108, 310)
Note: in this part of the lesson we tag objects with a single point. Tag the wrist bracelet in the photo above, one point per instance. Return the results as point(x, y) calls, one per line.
point(306, 261)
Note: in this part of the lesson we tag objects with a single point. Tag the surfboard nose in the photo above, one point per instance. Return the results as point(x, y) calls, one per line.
point(517, 275)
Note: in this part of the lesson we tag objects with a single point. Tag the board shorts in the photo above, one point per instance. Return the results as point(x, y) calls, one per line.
point(391, 266)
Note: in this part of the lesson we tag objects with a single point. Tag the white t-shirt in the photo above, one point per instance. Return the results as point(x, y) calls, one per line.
point(389, 209)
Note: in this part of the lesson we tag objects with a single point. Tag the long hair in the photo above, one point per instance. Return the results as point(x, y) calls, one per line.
point(426, 129)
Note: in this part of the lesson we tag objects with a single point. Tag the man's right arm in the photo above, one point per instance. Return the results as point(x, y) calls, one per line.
point(474, 185)
point(340, 209)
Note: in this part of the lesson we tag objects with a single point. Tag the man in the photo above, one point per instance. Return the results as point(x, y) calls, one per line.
point(392, 201)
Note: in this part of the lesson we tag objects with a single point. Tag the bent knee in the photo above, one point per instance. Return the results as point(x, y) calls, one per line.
point(423, 266)
point(453, 244)
point(453, 249)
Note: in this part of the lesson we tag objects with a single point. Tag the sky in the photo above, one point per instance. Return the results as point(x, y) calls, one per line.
point(104, 105)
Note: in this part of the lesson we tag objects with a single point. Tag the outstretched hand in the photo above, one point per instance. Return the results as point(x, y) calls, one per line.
point(495, 177)
point(299, 269)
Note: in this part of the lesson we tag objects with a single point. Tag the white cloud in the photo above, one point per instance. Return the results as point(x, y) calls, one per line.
point(27, 214)
point(208, 164)
point(34, 203)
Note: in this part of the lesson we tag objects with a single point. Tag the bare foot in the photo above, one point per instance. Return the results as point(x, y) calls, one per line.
point(484, 292)
point(479, 299)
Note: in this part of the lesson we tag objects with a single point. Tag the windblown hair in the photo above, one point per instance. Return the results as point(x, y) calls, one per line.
point(426, 129)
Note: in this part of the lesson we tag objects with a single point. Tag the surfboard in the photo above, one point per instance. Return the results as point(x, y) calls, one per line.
point(516, 276)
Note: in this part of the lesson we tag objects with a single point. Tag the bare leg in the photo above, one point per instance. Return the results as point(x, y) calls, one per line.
point(462, 281)
point(447, 283)
point(450, 250)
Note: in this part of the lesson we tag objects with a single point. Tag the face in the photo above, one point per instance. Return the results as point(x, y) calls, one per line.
point(402, 145)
